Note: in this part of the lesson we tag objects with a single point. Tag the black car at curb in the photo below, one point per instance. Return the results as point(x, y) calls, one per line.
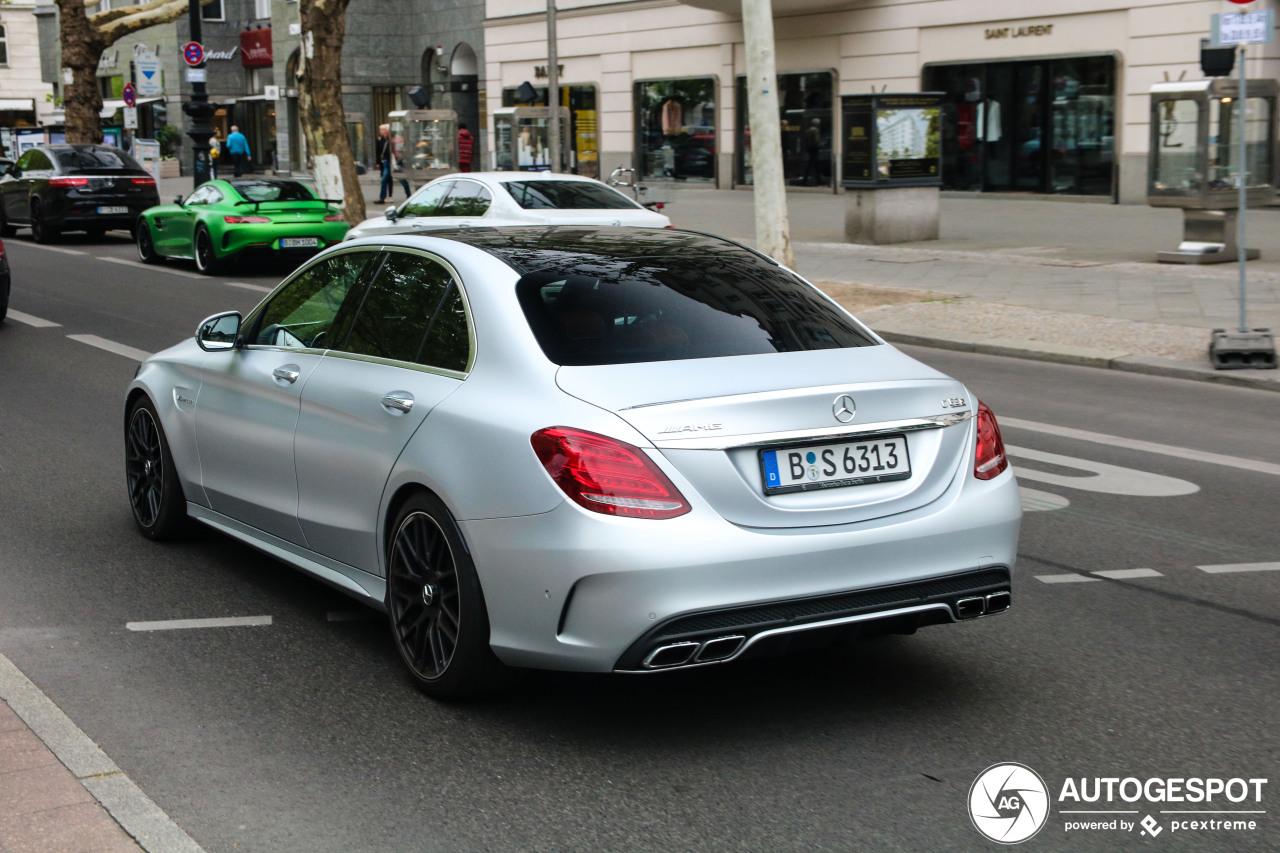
point(57, 188)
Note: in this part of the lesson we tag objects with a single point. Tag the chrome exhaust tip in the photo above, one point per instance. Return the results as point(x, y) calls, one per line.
point(970, 608)
point(998, 602)
point(675, 654)
point(721, 648)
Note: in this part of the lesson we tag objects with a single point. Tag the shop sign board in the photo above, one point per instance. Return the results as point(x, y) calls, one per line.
point(892, 139)
point(1231, 28)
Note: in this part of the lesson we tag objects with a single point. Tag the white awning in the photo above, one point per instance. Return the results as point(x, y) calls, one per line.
point(109, 107)
point(28, 104)
point(247, 98)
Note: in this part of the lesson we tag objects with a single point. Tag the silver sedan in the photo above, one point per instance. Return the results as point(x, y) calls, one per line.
point(593, 449)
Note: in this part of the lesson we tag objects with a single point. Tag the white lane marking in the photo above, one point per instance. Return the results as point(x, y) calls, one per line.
point(1108, 479)
point(60, 250)
point(1125, 574)
point(112, 346)
point(1034, 500)
point(347, 615)
point(153, 267)
point(102, 777)
point(1145, 446)
point(1231, 568)
point(183, 624)
point(32, 321)
point(248, 286)
point(1067, 579)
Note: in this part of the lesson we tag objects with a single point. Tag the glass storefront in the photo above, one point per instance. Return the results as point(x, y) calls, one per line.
point(805, 110)
point(676, 129)
point(1041, 126)
point(584, 145)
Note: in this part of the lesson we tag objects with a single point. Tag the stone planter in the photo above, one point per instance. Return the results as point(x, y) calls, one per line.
point(170, 169)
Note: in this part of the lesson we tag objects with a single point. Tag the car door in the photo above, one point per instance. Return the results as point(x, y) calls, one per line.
point(35, 168)
point(248, 404)
point(175, 226)
point(423, 211)
point(409, 348)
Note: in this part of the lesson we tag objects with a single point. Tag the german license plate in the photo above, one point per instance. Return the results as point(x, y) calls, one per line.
point(112, 210)
point(299, 242)
point(835, 465)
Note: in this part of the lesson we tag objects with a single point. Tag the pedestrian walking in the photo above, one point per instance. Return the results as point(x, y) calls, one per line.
point(813, 147)
point(466, 145)
point(384, 152)
point(215, 153)
point(238, 148)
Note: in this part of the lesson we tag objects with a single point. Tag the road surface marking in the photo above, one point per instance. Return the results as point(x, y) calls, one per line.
point(58, 249)
point(1069, 578)
point(248, 286)
point(1034, 500)
point(153, 267)
point(1126, 574)
point(1108, 479)
point(183, 624)
point(1232, 568)
point(112, 346)
point(32, 321)
point(1145, 446)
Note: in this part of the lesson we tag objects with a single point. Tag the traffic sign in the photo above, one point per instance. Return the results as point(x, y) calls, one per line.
point(130, 95)
point(193, 53)
point(130, 118)
point(1243, 27)
point(147, 68)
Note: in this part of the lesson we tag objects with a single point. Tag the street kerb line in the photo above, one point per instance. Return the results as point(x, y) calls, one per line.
point(32, 321)
point(111, 346)
point(187, 624)
point(1145, 446)
point(127, 804)
point(153, 267)
point(1233, 568)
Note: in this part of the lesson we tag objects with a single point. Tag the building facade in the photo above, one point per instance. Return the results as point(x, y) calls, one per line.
point(1050, 97)
point(25, 99)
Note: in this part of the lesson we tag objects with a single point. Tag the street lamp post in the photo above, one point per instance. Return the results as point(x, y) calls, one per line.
point(199, 109)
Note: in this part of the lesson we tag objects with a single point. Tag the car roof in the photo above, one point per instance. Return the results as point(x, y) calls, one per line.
point(502, 177)
point(538, 247)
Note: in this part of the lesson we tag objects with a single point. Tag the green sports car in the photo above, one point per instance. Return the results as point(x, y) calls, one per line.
point(223, 220)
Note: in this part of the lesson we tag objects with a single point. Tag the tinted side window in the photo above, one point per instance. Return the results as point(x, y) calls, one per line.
point(427, 200)
point(39, 161)
point(448, 342)
point(567, 195)
point(203, 195)
point(24, 162)
point(306, 313)
point(468, 198)
point(410, 308)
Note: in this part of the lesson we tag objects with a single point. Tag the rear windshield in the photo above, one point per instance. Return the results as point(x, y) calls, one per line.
point(567, 195)
point(273, 191)
point(74, 161)
point(624, 311)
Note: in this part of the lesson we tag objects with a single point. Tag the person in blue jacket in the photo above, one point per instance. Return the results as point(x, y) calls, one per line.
point(238, 147)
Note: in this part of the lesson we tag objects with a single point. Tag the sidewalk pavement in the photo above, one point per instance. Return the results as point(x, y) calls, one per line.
point(1031, 277)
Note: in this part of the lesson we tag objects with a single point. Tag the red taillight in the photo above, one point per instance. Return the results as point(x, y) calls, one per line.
point(244, 220)
point(68, 182)
point(990, 460)
point(145, 182)
point(606, 475)
point(335, 217)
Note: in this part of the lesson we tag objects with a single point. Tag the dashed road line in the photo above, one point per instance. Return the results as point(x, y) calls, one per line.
point(153, 267)
point(185, 624)
point(1126, 574)
point(111, 346)
point(1232, 568)
point(59, 249)
point(248, 286)
point(32, 321)
point(1067, 578)
point(1145, 446)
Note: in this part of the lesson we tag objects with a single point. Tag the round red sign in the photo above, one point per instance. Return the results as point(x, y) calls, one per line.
point(193, 53)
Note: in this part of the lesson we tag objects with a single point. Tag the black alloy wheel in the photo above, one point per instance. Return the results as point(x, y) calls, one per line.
point(42, 231)
point(206, 259)
point(146, 248)
point(155, 495)
point(435, 605)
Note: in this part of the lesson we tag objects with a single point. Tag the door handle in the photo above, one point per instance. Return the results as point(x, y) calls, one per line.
point(286, 374)
point(401, 401)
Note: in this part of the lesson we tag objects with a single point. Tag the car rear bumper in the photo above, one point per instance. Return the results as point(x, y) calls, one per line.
point(236, 241)
point(71, 216)
point(575, 590)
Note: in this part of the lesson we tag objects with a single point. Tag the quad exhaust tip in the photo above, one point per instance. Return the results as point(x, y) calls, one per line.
point(995, 602)
point(691, 651)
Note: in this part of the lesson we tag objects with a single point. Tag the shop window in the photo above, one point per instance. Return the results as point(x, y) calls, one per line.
point(584, 152)
point(676, 129)
point(807, 121)
point(213, 11)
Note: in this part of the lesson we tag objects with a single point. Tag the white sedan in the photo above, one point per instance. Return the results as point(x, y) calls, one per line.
point(510, 198)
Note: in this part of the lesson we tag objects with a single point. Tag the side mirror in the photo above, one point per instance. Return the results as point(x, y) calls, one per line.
point(219, 332)
point(177, 199)
point(393, 214)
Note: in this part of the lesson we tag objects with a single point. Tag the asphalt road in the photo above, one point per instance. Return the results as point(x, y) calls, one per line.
point(304, 734)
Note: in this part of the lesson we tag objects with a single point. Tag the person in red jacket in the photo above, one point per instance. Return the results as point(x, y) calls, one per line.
point(466, 144)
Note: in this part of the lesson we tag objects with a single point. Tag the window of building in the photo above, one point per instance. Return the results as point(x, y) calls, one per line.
point(805, 110)
point(262, 9)
point(213, 11)
point(676, 129)
point(4, 45)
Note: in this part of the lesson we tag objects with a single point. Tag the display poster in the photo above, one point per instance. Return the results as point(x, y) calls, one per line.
point(858, 163)
point(892, 139)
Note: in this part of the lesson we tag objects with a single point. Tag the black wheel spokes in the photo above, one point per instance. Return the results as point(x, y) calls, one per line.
point(144, 468)
point(426, 624)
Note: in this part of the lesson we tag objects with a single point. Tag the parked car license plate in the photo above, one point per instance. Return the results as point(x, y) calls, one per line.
point(112, 210)
point(835, 465)
point(299, 242)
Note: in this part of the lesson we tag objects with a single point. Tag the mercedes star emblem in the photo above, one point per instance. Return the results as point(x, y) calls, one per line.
point(844, 408)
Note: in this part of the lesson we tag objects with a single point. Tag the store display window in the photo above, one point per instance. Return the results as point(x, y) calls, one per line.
point(676, 129)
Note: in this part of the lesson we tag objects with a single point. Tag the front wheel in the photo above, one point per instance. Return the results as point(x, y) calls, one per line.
point(155, 495)
point(146, 248)
point(435, 605)
point(206, 258)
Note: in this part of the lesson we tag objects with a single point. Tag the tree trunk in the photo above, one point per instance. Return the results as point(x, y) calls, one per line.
point(320, 108)
point(81, 50)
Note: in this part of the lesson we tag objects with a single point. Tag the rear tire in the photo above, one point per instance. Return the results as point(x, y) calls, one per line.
point(155, 494)
point(435, 606)
point(207, 261)
point(42, 231)
point(146, 247)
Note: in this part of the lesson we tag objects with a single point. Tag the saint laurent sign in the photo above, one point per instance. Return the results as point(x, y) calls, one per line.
point(1025, 31)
